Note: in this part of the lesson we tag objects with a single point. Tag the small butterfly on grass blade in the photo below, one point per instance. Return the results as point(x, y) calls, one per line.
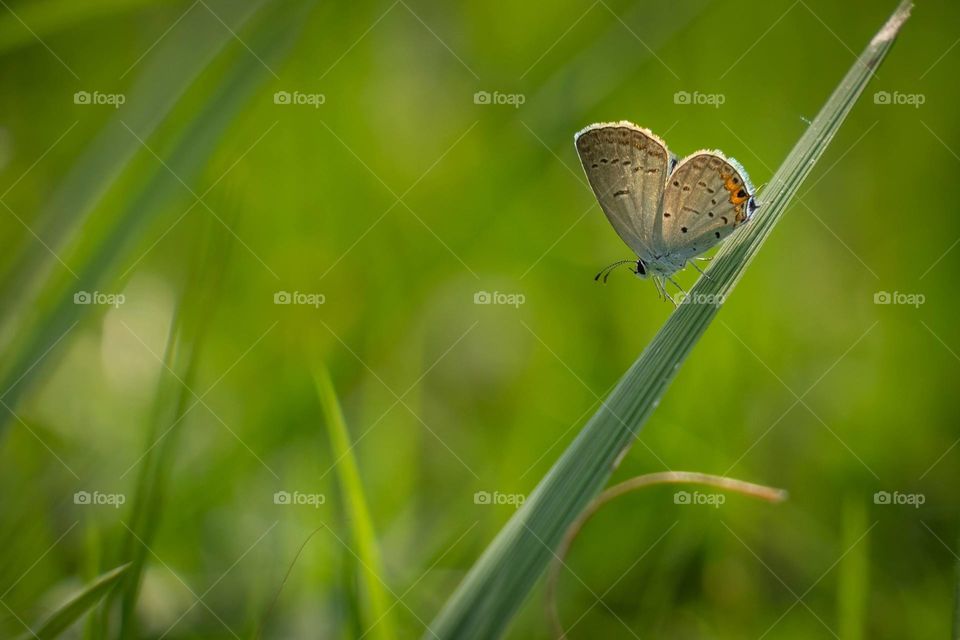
point(667, 211)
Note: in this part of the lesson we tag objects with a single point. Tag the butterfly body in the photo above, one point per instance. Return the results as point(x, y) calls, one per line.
point(667, 211)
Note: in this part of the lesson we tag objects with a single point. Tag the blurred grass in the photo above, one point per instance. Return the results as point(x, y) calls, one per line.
point(151, 97)
point(638, 483)
point(496, 586)
point(175, 398)
point(853, 590)
point(374, 615)
point(274, 33)
point(73, 609)
point(956, 602)
point(878, 404)
point(46, 17)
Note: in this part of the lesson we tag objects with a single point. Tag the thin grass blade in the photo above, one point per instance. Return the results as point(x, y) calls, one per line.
point(188, 49)
point(50, 17)
point(273, 37)
point(81, 603)
point(500, 580)
point(174, 400)
point(853, 589)
point(377, 620)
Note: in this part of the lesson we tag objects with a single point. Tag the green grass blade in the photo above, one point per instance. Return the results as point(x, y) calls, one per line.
point(499, 581)
point(71, 611)
point(377, 619)
point(174, 399)
point(853, 590)
point(956, 600)
point(272, 38)
point(50, 17)
point(189, 49)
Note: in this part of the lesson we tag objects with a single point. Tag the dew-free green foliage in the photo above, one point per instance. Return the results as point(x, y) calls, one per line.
point(77, 606)
point(853, 589)
point(174, 399)
point(375, 615)
point(498, 583)
point(175, 172)
point(400, 199)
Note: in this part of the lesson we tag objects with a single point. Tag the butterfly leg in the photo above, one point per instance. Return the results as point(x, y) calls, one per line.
point(659, 285)
point(699, 270)
point(667, 296)
point(674, 283)
point(662, 290)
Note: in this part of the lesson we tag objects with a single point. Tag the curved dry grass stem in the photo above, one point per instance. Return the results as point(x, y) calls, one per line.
point(283, 583)
point(634, 484)
point(490, 594)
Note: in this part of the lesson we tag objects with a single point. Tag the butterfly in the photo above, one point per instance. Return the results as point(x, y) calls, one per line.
point(667, 211)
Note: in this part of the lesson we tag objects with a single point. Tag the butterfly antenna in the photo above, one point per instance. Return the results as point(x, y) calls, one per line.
point(605, 272)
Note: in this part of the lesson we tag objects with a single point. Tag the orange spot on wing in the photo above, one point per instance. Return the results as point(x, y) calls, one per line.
point(738, 193)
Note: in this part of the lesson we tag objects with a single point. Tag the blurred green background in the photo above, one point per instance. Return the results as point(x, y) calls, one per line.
point(339, 153)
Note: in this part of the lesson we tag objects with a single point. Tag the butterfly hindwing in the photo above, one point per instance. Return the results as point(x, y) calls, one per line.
point(627, 167)
point(706, 197)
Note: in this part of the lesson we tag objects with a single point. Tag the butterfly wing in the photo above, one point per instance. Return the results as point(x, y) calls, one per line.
point(707, 196)
point(627, 167)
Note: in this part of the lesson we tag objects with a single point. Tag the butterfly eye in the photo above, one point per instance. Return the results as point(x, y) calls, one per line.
point(641, 268)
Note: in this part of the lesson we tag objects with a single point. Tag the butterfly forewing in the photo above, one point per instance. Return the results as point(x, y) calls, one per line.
point(627, 167)
point(706, 197)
